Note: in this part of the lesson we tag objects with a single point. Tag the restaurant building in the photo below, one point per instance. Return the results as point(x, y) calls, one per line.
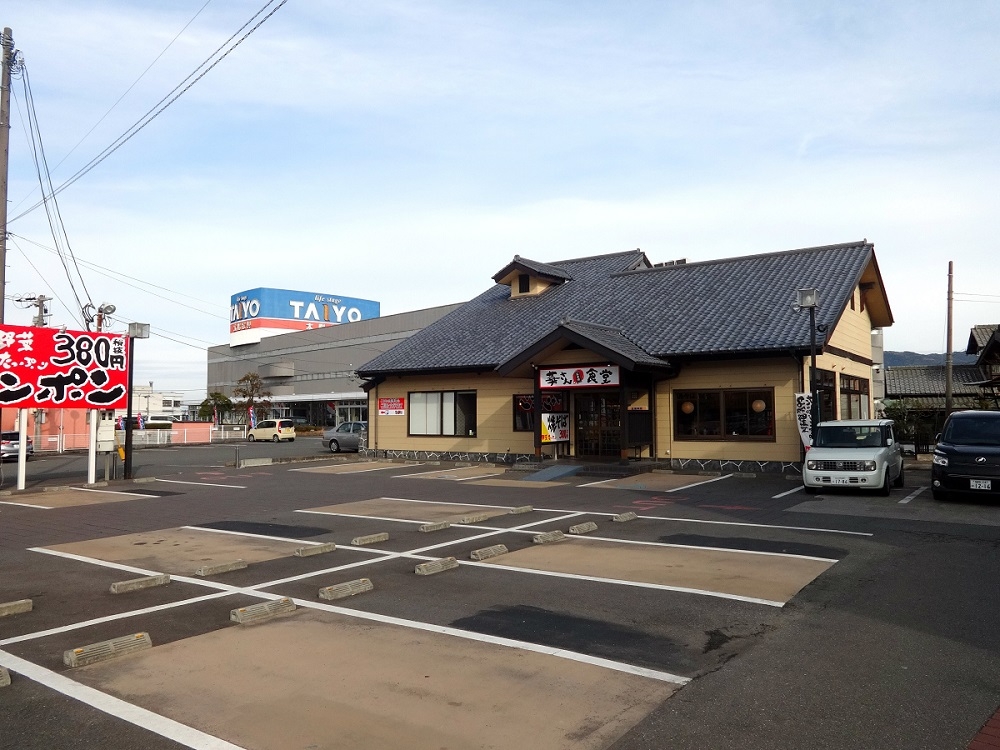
point(700, 365)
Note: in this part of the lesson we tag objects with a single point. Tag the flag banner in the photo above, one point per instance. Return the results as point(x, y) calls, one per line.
point(803, 417)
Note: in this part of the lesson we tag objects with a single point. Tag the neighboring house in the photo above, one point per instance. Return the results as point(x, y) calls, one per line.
point(923, 386)
point(984, 344)
point(695, 364)
point(915, 398)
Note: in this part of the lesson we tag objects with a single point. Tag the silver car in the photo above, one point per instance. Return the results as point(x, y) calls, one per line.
point(854, 454)
point(10, 443)
point(344, 437)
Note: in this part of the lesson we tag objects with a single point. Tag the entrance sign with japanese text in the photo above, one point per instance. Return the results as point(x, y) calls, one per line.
point(54, 369)
point(578, 377)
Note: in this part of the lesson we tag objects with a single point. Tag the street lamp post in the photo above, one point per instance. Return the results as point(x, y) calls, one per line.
point(135, 331)
point(809, 298)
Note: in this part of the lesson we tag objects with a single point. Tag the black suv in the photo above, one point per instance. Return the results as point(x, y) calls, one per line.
point(967, 456)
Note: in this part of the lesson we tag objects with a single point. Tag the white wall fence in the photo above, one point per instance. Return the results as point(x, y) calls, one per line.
point(178, 435)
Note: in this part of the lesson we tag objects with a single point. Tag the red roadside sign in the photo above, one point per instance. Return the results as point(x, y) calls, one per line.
point(54, 369)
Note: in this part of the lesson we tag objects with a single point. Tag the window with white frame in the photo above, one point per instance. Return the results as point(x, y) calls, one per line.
point(442, 413)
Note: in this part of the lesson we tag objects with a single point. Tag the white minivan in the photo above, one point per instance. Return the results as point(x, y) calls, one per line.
point(854, 454)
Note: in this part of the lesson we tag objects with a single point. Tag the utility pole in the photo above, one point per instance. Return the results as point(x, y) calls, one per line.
point(40, 320)
point(8, 60)
point(948, 383)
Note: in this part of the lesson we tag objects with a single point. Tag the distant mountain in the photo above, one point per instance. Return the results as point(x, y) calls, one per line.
point(906, 359)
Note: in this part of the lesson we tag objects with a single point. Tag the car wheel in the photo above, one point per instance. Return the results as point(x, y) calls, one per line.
point(941, 496)
point(334, 446)
point(885, 489)
point(250, 438)
point(811, 490)
point(899, 478)
point(275, 439)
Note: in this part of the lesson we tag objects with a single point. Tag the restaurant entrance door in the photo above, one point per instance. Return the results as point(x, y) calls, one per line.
point(598, 424)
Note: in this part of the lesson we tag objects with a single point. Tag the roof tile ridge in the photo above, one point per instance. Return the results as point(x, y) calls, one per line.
point(569, 321)
point(718, 261)
point(637, 252)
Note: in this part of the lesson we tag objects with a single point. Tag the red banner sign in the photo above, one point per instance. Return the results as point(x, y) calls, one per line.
point(53, 369)
point(392, 407)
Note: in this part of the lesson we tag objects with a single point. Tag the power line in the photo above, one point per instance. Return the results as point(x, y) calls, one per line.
point(169, 99)
point(126, 92)
point(114, 275)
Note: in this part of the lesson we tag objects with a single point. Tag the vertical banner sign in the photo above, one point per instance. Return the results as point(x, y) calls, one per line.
point(47, 368)
point(555, 428)
point(803, 417)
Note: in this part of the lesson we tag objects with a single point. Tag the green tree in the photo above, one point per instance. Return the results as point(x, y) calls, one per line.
point(902, 413)
point(216, 402)
point(252, 393)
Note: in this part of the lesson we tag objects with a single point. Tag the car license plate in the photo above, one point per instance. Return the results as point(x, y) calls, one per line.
point(840, 480)
point(980, 484)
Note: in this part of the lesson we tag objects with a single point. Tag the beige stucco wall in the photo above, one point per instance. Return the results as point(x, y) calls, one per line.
point(854, 331)
point(779, 374)
point(853, 334)
point(494, 415)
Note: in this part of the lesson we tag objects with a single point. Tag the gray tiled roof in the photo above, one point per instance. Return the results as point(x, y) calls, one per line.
point(613, 339)
point(910, 382)
point(542, 269)
point(730, 306)
point(979, 337)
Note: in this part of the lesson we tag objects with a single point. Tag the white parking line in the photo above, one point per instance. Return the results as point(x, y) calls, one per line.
point(111, 618)
point(313, 469)
point(27, 505)
point(140, 717)
point(636, 584)
point(111, 492)
point(912, 495)
point(592, 538)
point(413, 624)
point(789, 492)
point(698, 484)
point(252, 536)
point(497, 641)
point(602, 481)
point(201, 484)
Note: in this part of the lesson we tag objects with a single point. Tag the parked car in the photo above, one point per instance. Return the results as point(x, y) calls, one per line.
point(854, 453)
point(966, 459)
point(344, 437)
point(10, 442)
point(274, 430)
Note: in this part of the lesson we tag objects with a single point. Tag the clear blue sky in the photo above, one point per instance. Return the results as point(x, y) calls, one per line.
point(406, 151)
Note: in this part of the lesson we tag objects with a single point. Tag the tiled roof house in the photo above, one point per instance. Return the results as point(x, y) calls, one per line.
point(686, 362)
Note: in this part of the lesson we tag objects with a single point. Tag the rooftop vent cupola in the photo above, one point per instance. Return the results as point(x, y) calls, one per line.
point(529, 278)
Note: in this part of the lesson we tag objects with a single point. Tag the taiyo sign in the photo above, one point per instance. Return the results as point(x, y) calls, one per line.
point(266, 312)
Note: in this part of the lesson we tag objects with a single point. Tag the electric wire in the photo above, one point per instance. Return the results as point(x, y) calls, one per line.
point(125, 93)
point(52, 212)
point(170, 98)
point(41, 276)
point(120, 277)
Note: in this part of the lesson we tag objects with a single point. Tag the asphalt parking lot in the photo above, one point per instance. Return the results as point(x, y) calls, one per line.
point(730, 612)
